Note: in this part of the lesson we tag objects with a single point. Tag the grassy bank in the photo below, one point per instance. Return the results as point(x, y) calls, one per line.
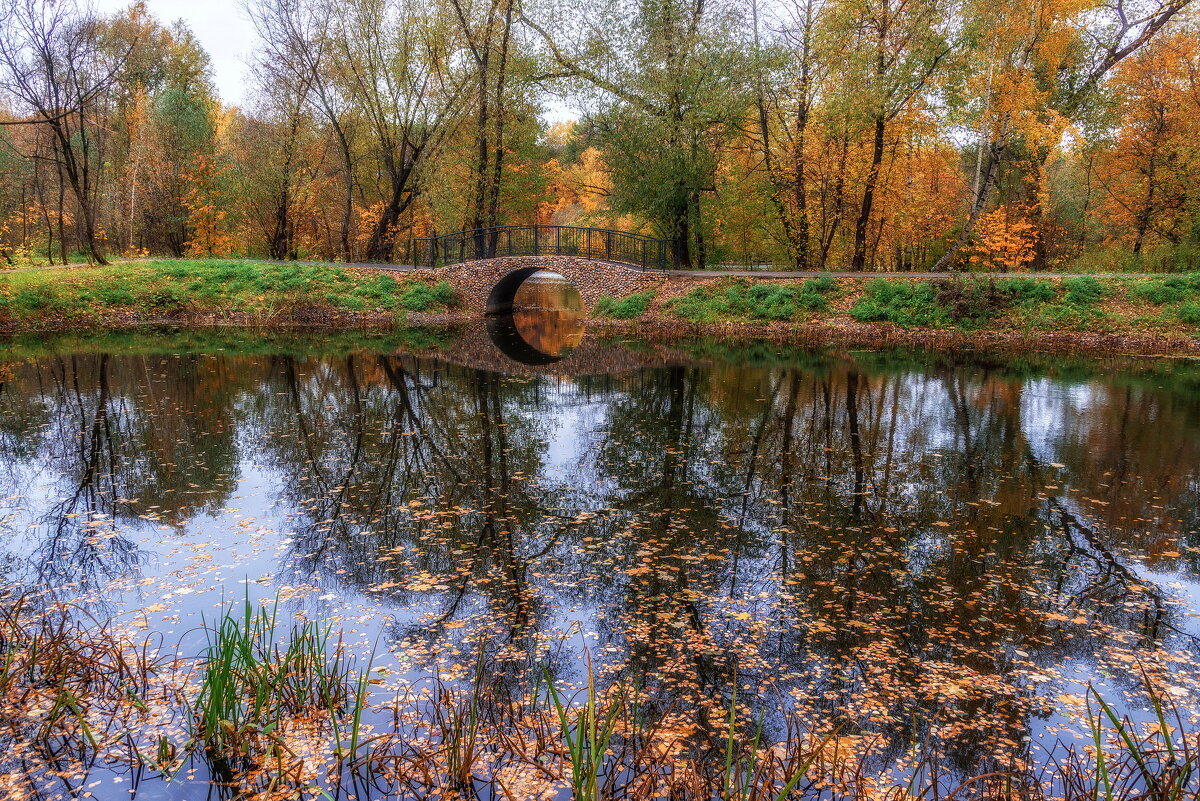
point(1134, 314)
point(1141, 314)
point(210, 292)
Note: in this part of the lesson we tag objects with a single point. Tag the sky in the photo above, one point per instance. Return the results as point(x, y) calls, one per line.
point(223, 29)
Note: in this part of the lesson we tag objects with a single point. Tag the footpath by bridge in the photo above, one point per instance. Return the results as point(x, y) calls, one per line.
point(643, 253)
point(488, 265)
point(637, 252)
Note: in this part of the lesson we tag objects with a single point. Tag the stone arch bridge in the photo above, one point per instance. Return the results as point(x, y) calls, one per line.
point(489, 286)
point(487, 266)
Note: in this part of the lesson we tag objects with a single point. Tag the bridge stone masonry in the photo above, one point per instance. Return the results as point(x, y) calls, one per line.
point(488, 286)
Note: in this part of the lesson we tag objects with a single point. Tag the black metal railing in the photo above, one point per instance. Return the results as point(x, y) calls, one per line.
point(598, 244)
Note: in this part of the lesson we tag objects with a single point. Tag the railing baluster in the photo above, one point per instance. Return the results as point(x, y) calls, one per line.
point(526, 240)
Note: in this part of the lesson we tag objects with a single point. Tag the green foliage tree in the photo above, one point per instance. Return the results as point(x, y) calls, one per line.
point(667, 86)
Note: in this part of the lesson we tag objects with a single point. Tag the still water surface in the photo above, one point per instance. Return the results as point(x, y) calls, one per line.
point(915, 547)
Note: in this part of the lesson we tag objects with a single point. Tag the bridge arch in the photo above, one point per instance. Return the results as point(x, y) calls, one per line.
point(488, 286)
point(500, 299)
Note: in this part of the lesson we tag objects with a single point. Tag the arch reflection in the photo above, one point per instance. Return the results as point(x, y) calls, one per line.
point(533, 288)
point(544, 322)
point(537, 336)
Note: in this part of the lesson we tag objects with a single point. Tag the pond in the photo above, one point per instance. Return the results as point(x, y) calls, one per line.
point(914, 553)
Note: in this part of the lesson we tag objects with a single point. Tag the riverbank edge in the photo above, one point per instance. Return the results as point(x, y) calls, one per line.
point(1115, 316)
point(889, 335)
point(658, 329)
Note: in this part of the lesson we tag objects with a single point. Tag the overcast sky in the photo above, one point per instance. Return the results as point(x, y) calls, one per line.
point(222, 28)
point(227, 34)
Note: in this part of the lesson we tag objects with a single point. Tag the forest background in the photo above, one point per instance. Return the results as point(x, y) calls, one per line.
point(812, 134)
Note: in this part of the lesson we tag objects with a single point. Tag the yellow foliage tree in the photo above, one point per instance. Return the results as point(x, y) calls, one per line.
point(208, 234)
point(1007, 240)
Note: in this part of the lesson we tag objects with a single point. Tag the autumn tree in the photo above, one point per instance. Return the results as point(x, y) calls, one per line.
point(787, 72)
point(666, 84)
point(1039, 69)
point(1147, 162)
point(56, 72)
point(487, 29)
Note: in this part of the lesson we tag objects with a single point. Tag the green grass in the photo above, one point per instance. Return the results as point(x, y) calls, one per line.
point(626, 308)
point(1163, 291)
point(972, 303)
point(743, 299)
point(1083, 291)
point(1178, 296)
point(425, 297)
point(1189, 313)
point(256, 289)
point(905, 303)
point(255, 682)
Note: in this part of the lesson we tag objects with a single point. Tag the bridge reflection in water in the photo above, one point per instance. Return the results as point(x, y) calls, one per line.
point(546, 322)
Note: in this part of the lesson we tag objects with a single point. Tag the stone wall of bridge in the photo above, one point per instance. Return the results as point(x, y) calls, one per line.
point(485, 286)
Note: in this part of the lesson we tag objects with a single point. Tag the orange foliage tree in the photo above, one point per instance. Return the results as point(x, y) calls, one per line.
point(1007, 240)
point(1148, 168)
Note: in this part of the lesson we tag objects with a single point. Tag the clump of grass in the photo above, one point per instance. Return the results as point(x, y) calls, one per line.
point(424, 297)
point(1189, 313)
point(258, 689)
point(1084, 291)
point(1078, 306)
point(626, 308)
point(1158, 761)
point(587, 734)
point(1163, 291)
point(1178, 294)
point(1029, 291)
point(906, 303)
point(72, 693)
point(745, 299)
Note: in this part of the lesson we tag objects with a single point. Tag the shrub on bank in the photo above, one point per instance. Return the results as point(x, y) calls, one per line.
point(626, 308)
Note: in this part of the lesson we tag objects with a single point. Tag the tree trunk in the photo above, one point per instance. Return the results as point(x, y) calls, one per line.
point(859, 261)
point(681, 234)
point(996, 152)
point(498, 121)
point(77, 173)
point(1143, 216)
point(381, 245)
point(347, 252)
point(839, 194)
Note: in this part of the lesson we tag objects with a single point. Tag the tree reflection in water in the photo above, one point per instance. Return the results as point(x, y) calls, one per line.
point(905, 546)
